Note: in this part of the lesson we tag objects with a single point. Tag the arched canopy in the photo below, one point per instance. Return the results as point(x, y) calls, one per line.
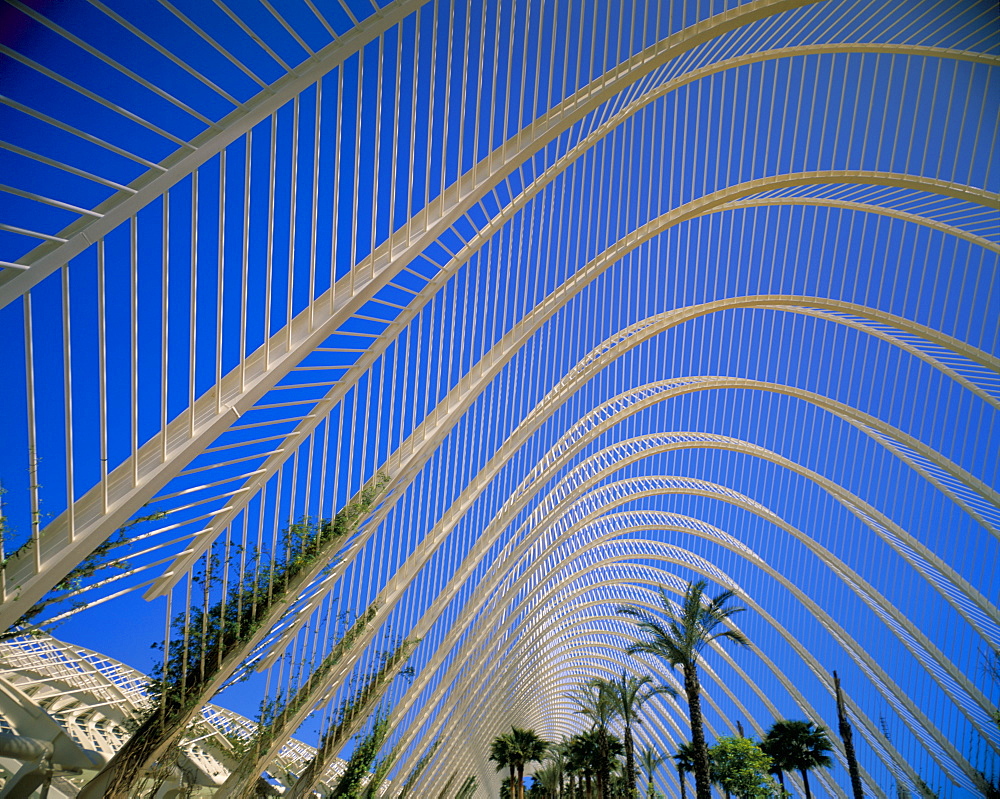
point(575, 298)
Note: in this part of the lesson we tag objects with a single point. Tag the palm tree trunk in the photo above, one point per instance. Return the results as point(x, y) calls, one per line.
point(805, 782)
point(781, 780)
point(847, 736)
point(604, 772)
point(630, 774)
point(520, 781)
point(702, 773)
point(513, 776)
point(680, 776)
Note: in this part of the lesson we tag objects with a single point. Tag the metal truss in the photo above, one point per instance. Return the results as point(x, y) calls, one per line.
point(86, 704)
point(612, 295)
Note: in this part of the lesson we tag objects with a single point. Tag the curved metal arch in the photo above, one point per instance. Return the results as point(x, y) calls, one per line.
point(395, 589)
point(321, 411)
point(639, 398)
point(463, 573)
point(647, 724)
point(636, 449)
point(873, 734)
point(892, 534)
point(381, 344)
point(361, 539)
point(747, 201)
point(814, 665)
point(414, 449)
point(420, 445)
point(600, 506)
point(134, 482)
point(480, 374)
point(123, 508)
point(650, 732)
point(879, 210)
point(600, 357)
point(964, 698)
point(513, 711)
point(579, 641)
point(712, 572)
point(655, 668)
point(857, 653)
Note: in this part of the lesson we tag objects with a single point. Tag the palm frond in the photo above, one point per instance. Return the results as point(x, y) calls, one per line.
point(733, 635)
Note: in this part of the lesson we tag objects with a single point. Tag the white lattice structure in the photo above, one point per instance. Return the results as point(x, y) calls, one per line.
point(613, 294)
point(51, 688)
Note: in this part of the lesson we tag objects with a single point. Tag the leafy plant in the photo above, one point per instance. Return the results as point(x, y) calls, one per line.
point(684, 762)
point(468, 788)
point(351, 713)
point(380, 772)
point(207, 637)
point(741, 768)
point(362, 757)
point(418, 769)
point(276, 715)
point(795, 745)
point(679, 639)
point(650, 762)
point(515, 749)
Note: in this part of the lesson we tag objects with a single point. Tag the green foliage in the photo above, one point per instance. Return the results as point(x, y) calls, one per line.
point(65, 591)
point(795, 745)
point(418, 770)
point(468, 788)
point(203, 637)
point(348, 714)
point(443, 793)
point(627, 694)
point(207, 636)
point(363, 757)
point(649, 761)
point(381, 771)
point(513, 750)
point(545, 782)
point(678, 637)
point(276, 714)
point(741, 768)
point(594, 752)
point(681, 639)
point(684, 758)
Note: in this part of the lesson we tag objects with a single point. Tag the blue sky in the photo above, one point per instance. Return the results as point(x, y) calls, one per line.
point(353, 157)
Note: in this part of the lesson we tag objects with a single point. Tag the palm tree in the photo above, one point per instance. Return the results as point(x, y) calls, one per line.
point(596, 701)
point(557, 759)
point(594, 753)
point(501, 753)
point(650, 762)
point(581, 754)
point(684, 759)
point(628, 697)
point(679, 642)
point(799, 746)
point(525, 747)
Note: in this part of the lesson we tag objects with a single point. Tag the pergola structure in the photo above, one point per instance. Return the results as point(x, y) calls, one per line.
point(402, 343)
